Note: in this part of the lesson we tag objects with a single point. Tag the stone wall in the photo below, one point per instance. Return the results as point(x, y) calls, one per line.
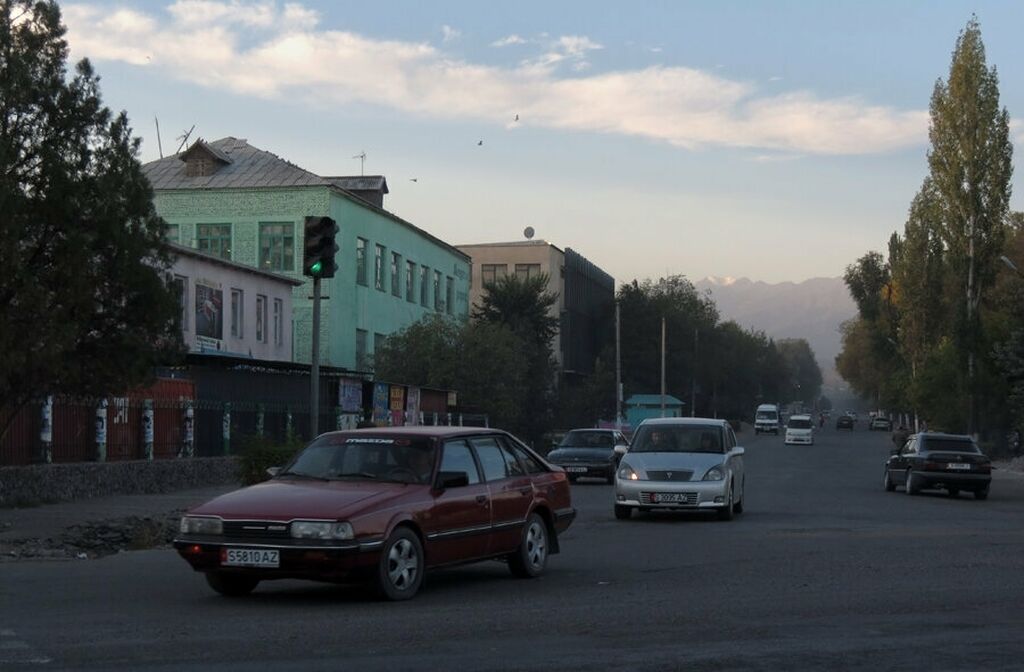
point(42, 483)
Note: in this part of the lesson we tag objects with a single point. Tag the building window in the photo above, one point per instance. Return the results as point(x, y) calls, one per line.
point(172, 233)
point(214, 239)
point(489, 273)
point(378, 268)
point(278, 322)
point(361, 337)
point(277, 246)
point(410, 281)
point(437, 291)
point(237, 313)
point(261, 318)
point(361, 261)
point(449, 295)
point(527, 271)
point(378, 342)
point(181, 285)
point(424, 285)
point(396, 280)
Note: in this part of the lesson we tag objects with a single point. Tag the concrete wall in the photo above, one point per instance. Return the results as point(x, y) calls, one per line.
point(42, 483)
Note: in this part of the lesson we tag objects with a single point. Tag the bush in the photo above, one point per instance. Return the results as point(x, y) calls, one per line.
point(258, 453)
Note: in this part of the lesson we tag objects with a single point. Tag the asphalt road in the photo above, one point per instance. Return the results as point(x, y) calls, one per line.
point(824, 571)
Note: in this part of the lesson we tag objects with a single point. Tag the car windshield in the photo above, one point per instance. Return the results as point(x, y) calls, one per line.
point(950, 445)
point(580, 438)
point(766, 415)
point(341, 457)
point(677, 439)
point(799, 423)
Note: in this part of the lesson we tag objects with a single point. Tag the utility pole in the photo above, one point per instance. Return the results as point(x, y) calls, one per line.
point(663, 366)
point(314, 368)
point(618, 370)
point(693, 380)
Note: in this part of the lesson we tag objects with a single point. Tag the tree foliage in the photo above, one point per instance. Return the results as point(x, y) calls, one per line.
point(933, 329)
point(87, 310)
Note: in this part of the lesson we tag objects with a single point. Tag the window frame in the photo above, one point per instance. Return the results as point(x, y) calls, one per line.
point(363, 336)
point(492, 270)
point(378, 266)
point(237, 313)
point(449, 295)
point(287, 240)
point(472, 456)
point(261, 318)
point(438, 306)
point(410, 281)
point(425, 286)
point(215, 244)
point(361, 277)
point(278, 317)
point(527, 268)
point(396, 274)
point(183, 295)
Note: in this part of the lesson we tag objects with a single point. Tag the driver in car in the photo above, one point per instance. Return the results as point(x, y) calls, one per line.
point(708, 443)
point(421, 463)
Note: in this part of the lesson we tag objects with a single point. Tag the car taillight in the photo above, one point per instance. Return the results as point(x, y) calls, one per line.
point(934, 466)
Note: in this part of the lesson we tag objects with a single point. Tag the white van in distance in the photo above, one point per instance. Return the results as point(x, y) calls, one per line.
point(766, 419)
point(800, 430)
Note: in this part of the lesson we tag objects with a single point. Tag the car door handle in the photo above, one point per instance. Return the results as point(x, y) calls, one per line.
point(481, 499)
point(525, 490)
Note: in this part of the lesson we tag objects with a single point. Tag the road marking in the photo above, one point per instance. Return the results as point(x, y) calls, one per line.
point(14, 651)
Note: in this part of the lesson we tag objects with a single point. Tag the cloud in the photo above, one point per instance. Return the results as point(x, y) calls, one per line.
point(508, 40)
point(775, 78)
point(275, 52)
point(450, 33)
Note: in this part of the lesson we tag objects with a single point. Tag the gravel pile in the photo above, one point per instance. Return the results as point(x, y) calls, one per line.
point(98, 539)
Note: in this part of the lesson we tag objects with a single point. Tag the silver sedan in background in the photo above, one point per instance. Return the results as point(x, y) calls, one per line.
point(681, 463)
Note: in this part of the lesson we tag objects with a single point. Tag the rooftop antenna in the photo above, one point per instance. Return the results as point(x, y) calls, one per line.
point(159, 145)
point(362, 160)
point(184, 138)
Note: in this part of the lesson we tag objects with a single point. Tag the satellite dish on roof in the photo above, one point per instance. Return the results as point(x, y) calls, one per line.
point(528, 232)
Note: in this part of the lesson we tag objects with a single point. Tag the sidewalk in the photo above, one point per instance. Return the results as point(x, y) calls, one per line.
point(49, 521)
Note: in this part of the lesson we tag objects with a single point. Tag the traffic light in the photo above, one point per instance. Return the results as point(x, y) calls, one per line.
point(318, 248)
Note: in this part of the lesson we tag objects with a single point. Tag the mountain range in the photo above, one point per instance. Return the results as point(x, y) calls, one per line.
point(812, 309)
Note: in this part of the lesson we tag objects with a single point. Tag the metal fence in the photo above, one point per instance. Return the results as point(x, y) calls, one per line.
point(74, 430)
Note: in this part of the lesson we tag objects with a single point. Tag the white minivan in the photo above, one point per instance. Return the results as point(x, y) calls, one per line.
point(766, 419)
point(800, 430)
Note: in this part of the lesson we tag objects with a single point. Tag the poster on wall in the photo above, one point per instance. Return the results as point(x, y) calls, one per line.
point(350, 395)
point(209, 315)
point(398, 405)
point(380, 403)
point(412, 405)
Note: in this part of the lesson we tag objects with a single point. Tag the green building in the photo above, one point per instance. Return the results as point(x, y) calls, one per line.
point(230, 199)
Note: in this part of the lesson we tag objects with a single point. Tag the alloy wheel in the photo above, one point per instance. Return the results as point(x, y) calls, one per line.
point(403, 564)
point(536, 544)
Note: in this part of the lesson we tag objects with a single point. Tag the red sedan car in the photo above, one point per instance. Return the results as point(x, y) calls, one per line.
point(384, 505)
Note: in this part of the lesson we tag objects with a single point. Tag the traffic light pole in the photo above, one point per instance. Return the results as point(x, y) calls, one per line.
point(314, 369)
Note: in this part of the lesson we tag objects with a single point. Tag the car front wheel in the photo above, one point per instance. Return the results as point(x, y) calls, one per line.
point(231, 585)
point(400, 569)
point(887, 481)
point(727, 513)
point(529, 560)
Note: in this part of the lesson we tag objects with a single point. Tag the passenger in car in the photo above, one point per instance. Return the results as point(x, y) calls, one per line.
point(708, 443)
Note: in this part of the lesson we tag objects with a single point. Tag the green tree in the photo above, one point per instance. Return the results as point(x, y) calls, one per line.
point(804, 374)
point(87, 309)
point(970, 164)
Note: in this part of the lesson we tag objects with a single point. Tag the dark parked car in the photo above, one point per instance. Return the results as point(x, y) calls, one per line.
point(844, 422)
point(384, 505)
point(929, 460)
point(590, 452)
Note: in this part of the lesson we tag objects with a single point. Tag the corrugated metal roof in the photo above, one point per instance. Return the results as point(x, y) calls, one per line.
point(247, 167)
point(360, 182)
point(648, 399)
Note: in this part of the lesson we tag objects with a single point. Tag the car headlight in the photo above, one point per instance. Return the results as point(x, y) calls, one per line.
point(311, 529)
point(201, 525)
point(715, 474)
point(626, 473)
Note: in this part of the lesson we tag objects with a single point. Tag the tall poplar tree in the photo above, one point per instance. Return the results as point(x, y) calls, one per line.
point(86, 305)
point(970, 165)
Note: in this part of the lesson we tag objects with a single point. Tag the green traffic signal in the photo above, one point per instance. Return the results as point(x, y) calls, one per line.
point(316, 267)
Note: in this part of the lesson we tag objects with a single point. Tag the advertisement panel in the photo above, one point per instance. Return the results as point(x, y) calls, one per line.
point(350, 395)
point(380, 403)
point(209, 315)
point(397, 405)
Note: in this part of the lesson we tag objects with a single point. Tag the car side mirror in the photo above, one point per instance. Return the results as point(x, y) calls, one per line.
point(738, 450)
point(273, 471)
point(452, 479)
point(894, 451)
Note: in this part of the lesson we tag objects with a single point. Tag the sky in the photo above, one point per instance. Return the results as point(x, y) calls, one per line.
point(772, 140)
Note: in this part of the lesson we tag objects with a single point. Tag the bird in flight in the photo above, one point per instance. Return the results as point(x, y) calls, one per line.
point(480, 143)
point(517, 118)
point(414, 179)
